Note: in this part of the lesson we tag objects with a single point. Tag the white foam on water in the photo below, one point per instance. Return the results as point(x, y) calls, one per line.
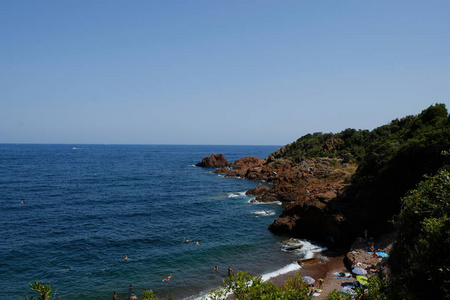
point(263, 203)
point(234, 195)
point(203, 295)
point(307, 251)
point(286, 269)
point(264, 212)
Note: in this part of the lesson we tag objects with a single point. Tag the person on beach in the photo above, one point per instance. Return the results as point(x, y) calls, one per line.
point(168, 277)
point(311, 290)
point(230, 271)
point(321, 281)
point(216, 269)
point(355, 263)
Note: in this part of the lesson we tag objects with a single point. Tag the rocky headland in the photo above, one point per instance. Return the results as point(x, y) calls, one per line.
point(309, 191)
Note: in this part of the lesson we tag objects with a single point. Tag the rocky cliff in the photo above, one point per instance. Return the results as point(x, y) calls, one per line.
point(313, 193)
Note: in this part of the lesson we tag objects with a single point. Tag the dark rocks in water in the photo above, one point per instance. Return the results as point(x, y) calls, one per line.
point(294, 247)
point(308, 261)
point(257, 191)
point(265, 198)
point(213, 161)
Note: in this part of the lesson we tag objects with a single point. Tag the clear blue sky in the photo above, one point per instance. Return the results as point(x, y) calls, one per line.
point(216, 72)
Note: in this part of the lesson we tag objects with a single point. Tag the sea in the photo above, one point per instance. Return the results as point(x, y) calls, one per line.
point(70, 213)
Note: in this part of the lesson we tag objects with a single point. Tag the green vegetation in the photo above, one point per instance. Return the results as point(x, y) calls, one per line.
point(398, 156)
point(392, 159)
point(43, 290)
point(148, 295)
point(420, 259)
point(245, 286)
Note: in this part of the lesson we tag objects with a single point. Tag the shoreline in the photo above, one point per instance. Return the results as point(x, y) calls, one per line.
point(328, 264)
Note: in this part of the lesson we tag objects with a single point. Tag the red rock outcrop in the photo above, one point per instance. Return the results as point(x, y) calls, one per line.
point(260, 190)
point(213, 161)
point(313, 193)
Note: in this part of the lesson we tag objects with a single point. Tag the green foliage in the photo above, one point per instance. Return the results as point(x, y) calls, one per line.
point(375, 290)
point(420, 259)
point(148, 295)
point(41, 289)
point(337, 295)
point(245, 286)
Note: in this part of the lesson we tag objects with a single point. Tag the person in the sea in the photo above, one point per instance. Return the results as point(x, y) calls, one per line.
point(168, 277)
point(230, 271)
point(187, 240)
point(115, 296)
point(125, 257)
point(130, 288)
point(216, 269)
point(196, 242)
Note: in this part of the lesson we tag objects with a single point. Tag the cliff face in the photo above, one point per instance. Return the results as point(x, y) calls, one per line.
point(311, 192)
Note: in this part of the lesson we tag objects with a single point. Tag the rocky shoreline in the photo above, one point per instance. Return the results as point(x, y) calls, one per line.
point(313, 194)
point(316, 207)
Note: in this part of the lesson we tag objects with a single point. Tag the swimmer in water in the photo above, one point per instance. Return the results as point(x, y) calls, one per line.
point(168, 277)
point(126, 257)
point(216, 269)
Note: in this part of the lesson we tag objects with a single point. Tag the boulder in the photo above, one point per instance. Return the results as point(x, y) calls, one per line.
point(308, 261)
point(294, 247)
point(257, 191)
point(213, 161)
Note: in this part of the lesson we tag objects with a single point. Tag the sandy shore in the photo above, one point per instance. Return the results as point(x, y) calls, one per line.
point(325, 269)
point(330, 263)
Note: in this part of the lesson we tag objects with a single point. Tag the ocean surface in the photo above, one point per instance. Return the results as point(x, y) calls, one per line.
point(70, 213)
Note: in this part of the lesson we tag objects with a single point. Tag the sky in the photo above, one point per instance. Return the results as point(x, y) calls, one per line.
point(216, 72)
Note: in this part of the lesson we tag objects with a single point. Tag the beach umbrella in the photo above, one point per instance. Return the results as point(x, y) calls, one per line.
point(348, 290)
point(308, 279)
point(359, 271)
point(362, 279)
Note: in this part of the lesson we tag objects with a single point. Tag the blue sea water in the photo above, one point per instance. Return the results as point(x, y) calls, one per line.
point(86, 206)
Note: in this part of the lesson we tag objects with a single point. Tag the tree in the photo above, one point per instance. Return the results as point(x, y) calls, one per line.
point(420, 259)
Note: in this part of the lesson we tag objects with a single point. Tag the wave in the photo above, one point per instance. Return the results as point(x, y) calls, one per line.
point(238, 194)
point(252, 201)
point(284, 270)
point(307, 251)
point(263, 212)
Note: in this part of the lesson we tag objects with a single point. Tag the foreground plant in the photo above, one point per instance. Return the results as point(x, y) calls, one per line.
point(43, 290)
point(246, 286)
